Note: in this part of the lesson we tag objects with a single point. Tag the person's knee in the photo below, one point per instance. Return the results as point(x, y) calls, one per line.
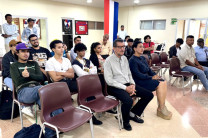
point(128, 101)
point(200, 73)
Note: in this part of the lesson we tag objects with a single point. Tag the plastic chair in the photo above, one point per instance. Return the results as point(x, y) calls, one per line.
point(155, 63)
point(19, 105)
point(57, 96)
point(147, 59)
point(90, 94)
point(165, 63)
point(175, 71)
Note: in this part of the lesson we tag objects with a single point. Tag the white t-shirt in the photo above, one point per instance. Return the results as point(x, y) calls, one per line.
point(122, 34)
point(178, 50)
point(53, 65)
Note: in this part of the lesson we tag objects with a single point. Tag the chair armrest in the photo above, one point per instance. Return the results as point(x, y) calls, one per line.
point(111, 97)
point(50, 125)
point(84, 108)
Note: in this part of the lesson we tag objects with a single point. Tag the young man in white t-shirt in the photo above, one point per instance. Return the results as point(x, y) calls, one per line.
point(59, 67)
point(122, 34)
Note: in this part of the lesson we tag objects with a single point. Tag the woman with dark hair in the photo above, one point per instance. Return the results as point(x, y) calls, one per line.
point(148, 45)
point(146, 78)
point(96, 57)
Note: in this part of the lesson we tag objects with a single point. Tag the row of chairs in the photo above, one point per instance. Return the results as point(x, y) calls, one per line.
point(57, 96)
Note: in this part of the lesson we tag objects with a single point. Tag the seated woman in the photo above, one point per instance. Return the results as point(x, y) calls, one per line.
point(146, 78)
point(83, 67)
point(98, 61)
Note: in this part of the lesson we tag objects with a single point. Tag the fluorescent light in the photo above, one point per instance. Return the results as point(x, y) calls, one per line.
point(136, 1)
point(89, 1)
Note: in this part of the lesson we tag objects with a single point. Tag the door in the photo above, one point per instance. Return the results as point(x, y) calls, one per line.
point(67, 32)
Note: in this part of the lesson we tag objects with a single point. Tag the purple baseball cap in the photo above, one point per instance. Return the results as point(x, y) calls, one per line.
point(21, 46)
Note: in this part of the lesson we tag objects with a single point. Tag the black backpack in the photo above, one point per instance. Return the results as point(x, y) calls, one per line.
point(6, 105)
point(32, 131)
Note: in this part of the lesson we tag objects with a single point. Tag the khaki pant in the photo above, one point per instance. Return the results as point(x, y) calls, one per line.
point(7, 48)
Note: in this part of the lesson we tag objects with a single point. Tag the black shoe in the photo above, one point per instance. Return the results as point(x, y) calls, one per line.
point(127, 126)
point(136, 119)
point(95, 121)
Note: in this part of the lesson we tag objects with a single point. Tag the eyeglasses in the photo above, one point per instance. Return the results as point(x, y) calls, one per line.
point(120, 47)
point(34, 40)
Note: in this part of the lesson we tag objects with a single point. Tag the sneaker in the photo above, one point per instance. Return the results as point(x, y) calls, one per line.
point(136, 119)
point(27, 111)
point(127, 126)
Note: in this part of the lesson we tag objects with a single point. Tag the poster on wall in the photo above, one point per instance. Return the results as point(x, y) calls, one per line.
point(36, 24)
point(81, 27)
point(67, 26)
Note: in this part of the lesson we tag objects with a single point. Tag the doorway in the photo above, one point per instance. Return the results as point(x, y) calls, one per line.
point(67, 32)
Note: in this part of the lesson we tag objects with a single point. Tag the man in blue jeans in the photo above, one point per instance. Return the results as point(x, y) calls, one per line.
point(189, 62)
point(26, 76)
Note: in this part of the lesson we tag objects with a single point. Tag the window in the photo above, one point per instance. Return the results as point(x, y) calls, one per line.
point(152, 24)
point(95, 25)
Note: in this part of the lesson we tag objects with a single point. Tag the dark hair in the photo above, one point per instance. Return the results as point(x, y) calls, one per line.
point(136, 44)
point(200, 40)
point(189, 36)
point(179, 40)
point(18, 42)
point(79, 47)
point(54, 42)
point(7, 15)
point(32, 35)
point(77, 37)
point(130, 40)
point(127, 36)
point(122, 25)
point(93, 46)
point(117, 40)
point(147, 37)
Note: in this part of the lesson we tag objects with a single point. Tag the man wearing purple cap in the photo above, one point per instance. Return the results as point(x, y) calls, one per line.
point(26, 76)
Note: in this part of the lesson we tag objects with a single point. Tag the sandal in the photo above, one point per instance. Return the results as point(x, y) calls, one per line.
point(164, 113)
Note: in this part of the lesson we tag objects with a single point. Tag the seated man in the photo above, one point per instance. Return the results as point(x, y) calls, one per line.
point(128, 50)
point(39, 54)
point(27, 76)
point(121, 85)
point(81, 65)
point(65, 53)
point(59, 67)
point(72, 54)
point(201, 52)
point(8, 59)
point(174, 50)
point(106, 46)
point(189, 62)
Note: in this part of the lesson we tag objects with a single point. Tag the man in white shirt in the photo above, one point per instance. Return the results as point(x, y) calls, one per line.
point(10, 31)
point(72, 53)
point(59, 68)
point(122, 34)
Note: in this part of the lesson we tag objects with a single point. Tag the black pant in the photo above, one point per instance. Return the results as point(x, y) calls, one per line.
point(203, 63)
point(145, 95)
point(72, 84)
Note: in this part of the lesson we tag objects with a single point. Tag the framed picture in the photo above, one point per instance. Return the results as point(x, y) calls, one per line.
point(67, 26)
point(36, 24)
point(81, 27)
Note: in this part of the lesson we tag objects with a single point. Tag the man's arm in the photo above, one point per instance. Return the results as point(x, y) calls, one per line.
point(55, 76)
point(68, 74)
point(110, 48)
point(37, 76)
point(23, 35)
point(6, 67)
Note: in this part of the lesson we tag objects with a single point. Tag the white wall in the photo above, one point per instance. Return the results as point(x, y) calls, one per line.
point(130, 17)
point(54, 11)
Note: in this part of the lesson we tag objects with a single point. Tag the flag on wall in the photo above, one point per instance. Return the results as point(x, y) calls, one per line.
point(111, 19)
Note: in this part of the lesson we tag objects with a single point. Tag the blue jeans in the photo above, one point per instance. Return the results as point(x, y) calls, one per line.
point(202, 74)
point(8, 82)
point(30, 95)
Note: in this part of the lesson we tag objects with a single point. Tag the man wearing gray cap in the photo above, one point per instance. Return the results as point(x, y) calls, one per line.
point(30, 29)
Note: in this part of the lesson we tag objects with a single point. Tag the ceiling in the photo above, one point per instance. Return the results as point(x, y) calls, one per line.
point(122, 3)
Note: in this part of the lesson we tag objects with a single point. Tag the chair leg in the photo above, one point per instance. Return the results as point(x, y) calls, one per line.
point(12, 111)
point(191, 81)
point(20, 112)
point(119, 119)
point(91, 128)
point(41, 131)
point(174, 81)
point(183, 86)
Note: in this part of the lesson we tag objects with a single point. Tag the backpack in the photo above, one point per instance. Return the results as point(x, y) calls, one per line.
point(6, 105)
point(32, 131)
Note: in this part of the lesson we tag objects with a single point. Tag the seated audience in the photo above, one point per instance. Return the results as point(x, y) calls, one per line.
point(121, 85)
point(106, 46)
point(147, 79)
point(73, 55)
point(59, 68)
point(175, 49)
point(188, 62)
point(65, 53)
point(201, 52)
point(7, 60)
point(83, 67)
point(39, 54)
point(128, 49)
point(27, 76)
point(148, 45)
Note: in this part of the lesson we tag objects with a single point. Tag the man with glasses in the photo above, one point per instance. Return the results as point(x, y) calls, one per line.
point(121, 85)
point(7, 60)
point(38, 53)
